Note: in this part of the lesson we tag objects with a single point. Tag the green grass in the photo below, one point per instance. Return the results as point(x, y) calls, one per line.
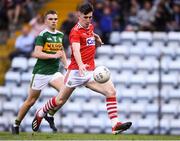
point(65, 136)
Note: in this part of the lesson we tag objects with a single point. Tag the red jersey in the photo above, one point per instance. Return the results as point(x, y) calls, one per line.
point(84, 36)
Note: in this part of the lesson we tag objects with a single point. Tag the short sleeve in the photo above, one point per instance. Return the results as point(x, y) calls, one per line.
point(39, 41)
point(74, 37)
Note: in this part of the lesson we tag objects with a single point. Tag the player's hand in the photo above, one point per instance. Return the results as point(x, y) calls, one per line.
point(98, 41)
point(82, 69)
point(58, 54)
point(66, 67)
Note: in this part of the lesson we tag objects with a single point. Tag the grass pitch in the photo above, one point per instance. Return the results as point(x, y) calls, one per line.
point(65, 136)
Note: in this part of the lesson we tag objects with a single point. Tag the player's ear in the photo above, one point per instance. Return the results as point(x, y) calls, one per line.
point(78, 14)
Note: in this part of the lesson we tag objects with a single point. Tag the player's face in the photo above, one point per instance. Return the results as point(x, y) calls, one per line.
point(51, 21)
point(85, 20)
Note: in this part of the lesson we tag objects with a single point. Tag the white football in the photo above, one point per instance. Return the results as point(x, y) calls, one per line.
point(101, 74)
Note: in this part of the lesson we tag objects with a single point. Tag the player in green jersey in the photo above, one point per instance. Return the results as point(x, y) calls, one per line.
point(49, 51)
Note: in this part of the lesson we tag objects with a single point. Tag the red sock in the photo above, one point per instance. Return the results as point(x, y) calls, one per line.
point(51, 104)
point(111, 105)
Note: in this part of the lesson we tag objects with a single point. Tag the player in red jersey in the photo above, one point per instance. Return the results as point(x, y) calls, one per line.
point(80, 72)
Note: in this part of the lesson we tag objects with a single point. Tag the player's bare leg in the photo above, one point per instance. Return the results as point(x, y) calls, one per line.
point(108, 90)
point(31, 99)
point(57, 83)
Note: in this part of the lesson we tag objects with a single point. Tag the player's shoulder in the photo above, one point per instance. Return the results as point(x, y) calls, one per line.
point(43, 32)
point(75, 28)
point(59, 32)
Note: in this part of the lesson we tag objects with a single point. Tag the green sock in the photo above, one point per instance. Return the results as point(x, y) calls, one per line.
point(52, 112)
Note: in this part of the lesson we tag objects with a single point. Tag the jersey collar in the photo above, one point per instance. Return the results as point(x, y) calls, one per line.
point(80, 26)
point(51, 31)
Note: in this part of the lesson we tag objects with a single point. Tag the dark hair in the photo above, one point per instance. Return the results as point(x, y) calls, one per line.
point(86, 8)
point(50, 12)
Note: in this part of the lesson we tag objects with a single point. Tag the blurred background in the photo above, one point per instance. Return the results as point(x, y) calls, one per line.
point(142, 50)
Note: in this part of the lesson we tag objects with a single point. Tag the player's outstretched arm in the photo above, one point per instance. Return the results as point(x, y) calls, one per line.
point(38, 53)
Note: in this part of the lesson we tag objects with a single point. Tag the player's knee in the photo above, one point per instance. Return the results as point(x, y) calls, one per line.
point(111, 92)
point(61, 101)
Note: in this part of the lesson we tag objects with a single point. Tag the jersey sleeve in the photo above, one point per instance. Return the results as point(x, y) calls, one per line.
point(74, 37)
point(39, 41)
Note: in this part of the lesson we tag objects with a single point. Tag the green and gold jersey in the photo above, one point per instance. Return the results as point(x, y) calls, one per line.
point(51, 43)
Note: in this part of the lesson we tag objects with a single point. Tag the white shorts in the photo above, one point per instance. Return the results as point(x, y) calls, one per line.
point(39, 81)
point(73, 79)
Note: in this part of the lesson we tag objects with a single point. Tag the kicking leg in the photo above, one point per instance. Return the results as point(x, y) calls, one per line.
point(108, 90)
